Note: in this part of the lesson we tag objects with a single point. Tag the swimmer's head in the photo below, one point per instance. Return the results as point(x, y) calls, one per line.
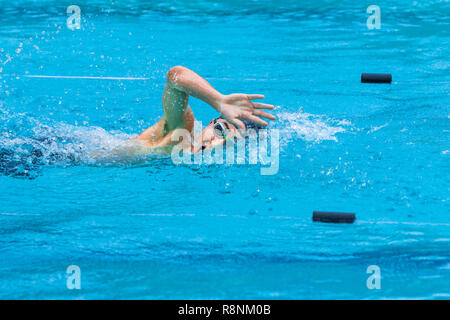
point(219, 131)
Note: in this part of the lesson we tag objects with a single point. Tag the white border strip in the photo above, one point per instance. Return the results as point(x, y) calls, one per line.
point(85, 77)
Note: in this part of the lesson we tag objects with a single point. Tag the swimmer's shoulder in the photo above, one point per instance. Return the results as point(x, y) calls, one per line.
point(153, 134)
point(130, 151)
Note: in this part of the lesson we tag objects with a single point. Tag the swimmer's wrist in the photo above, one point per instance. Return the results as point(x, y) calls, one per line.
point(218, 103)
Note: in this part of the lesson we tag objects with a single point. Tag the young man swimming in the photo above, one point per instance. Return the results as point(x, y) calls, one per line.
point(235, 109)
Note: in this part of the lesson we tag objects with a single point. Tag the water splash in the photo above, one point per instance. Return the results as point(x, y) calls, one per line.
point(309, 127)
point(27, 144)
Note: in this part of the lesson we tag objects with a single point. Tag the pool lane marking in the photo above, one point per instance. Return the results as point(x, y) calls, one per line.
point(39, 76)
point(126, 78)
point(86, 77)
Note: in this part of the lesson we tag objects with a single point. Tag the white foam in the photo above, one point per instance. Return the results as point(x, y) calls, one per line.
point(309, 127)
point(26, 141)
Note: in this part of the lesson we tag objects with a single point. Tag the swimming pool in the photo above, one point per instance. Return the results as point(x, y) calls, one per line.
point(154, 230)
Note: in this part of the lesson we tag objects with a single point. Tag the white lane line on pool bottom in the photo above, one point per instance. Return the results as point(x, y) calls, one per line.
point(86, 77)
point(41, 76)
point(18, 214)
point(128, 78)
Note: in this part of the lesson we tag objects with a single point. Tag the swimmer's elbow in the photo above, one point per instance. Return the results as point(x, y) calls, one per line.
point(176, 74)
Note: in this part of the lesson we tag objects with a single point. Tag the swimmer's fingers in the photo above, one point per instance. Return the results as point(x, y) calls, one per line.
point(263, 114)
point(258, 105)
point(238, 123)
point(256, 120)
point(255, 96)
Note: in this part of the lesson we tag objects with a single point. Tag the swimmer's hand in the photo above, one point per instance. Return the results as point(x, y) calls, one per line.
point(238, 106)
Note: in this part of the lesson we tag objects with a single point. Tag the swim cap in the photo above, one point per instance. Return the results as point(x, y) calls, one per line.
point(252, 125)
point(248, 124)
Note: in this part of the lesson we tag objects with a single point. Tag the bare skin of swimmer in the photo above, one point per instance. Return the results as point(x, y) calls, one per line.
point(183, 83)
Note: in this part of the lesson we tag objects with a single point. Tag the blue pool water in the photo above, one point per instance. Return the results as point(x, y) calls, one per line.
point(154, 230)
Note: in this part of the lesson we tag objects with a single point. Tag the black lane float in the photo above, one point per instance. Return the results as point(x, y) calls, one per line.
point(376, 78)
point(333, 217)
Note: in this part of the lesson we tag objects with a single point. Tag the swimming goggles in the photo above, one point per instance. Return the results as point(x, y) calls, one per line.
point(220, 129)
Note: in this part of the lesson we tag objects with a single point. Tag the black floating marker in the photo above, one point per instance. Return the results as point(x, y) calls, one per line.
point(376, 78)
point(333, 217)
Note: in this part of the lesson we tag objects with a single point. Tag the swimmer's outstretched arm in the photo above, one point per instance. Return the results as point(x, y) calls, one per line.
point(233, 107)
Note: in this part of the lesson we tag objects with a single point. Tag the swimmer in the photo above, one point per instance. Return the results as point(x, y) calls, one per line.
point(235, 110)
